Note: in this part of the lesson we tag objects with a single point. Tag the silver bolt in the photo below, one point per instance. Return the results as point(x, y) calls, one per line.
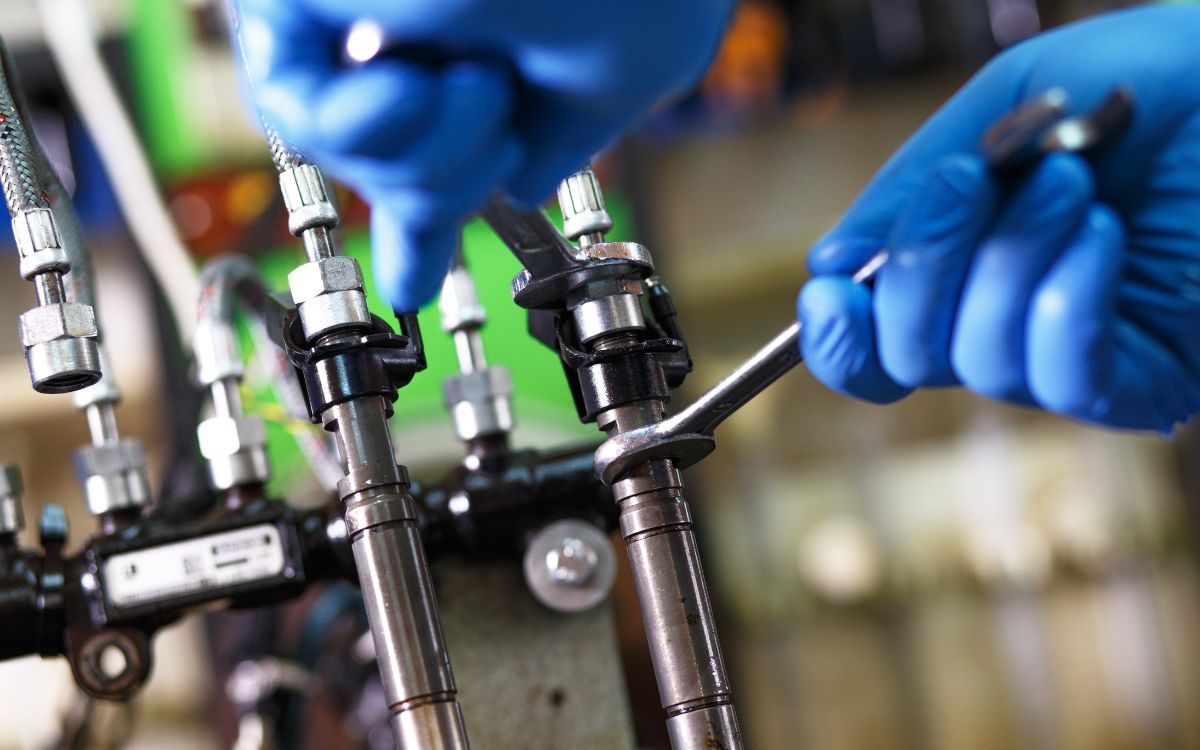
point(572, 562)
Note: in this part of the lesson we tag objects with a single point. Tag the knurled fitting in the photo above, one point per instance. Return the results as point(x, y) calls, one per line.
point(306, 199)
point(582, 205)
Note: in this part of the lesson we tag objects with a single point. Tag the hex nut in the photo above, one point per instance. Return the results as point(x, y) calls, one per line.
point(46, 323)
point(226, 436)
point(109, 459)
point(336, 274)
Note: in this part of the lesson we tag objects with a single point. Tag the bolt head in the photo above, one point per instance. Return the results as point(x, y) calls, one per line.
point(572, 562)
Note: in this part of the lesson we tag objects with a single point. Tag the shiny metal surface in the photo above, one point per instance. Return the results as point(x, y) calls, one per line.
point(569, 566)
point(614, 313)
point(687, 436)
point(710, 728)
point(396, 585)
point(429, 725)
point(688, 665)
point(584, 217)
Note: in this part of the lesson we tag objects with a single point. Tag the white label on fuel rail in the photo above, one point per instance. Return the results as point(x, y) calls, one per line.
point(206, 562)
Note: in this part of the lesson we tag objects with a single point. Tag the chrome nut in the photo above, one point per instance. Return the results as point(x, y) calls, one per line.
point(235, 449)
point(46, 323)
point(111, 458)
point(336, 274)
point(113, 475)
point(225, 436)
point(479, 403)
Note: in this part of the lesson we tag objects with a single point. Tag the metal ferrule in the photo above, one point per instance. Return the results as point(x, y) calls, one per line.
point(39, 243)
point(216, 352)
point(113, 475)
point(306, 198)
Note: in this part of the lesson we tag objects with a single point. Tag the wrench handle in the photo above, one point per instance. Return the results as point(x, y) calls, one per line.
point(750, 378)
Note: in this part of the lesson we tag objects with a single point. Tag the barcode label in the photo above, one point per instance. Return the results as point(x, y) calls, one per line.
point(207, 562)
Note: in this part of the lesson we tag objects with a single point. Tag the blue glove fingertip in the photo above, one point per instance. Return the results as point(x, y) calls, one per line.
point(409, 261)
point(838, 342)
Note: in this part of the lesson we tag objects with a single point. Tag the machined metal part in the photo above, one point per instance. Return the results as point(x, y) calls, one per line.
point(479, 397)
point(328, 293)
point(627, 385)
point(569, 566)
point(687, 436)
point(112, 475)
point(606, 315)
point(553, 266)
point(584, 217)
point(235, 448)
point(12, 517)
point(380, 516)
point(459, 304)
point(215, 352)
point(480, 402)
point(395, 581)
point(306, 199)
point(60, 347)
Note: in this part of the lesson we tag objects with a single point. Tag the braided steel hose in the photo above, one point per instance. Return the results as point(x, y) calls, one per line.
point(282, 153)
point(60, 334)
point(23, 189)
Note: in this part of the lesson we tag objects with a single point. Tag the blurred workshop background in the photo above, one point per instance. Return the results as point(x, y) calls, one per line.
point(942, 573)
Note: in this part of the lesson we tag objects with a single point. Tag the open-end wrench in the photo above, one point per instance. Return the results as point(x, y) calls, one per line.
point(1010, 145)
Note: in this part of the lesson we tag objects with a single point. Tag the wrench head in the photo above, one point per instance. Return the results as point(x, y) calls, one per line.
point(621, 453)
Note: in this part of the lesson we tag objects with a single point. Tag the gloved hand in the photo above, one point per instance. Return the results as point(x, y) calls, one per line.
point(518, 95)
point(1078, 290)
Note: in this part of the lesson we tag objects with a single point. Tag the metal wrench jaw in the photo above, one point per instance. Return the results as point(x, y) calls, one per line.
point(621, 453)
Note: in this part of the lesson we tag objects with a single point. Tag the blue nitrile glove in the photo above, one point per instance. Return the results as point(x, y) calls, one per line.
point(479, 94)
point(1077, 290)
